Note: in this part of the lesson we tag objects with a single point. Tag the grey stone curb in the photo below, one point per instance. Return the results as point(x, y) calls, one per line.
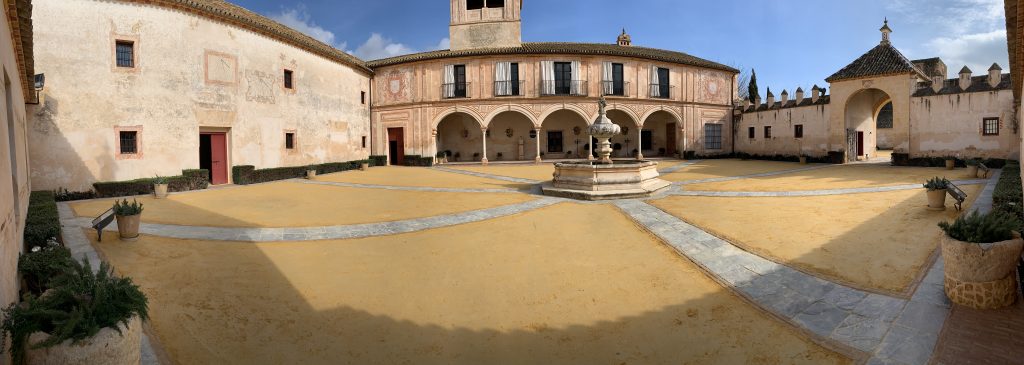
point(879, 189)
point(487, 176)
point(410, 188)
point(319, 233)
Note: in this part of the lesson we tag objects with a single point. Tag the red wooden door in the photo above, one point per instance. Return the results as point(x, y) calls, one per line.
point(670, 139)
point(860, 143)
point(396, 146)
point(218, 158)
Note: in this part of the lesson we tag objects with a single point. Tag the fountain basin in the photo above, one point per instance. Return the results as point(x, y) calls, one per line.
point(596, 181)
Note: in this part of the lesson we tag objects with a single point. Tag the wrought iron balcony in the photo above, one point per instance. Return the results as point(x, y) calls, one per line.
point(661, 91)
point(563, 88)
point(510, 88)
point(456, 90)
point(615, 88)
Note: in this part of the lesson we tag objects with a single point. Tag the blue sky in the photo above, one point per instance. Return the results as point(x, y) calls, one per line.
point(790, 43)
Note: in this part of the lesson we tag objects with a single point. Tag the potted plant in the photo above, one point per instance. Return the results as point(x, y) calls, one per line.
point(86, 318)
point(476, 156)
point(981, 252)
point(972, 167)
point(442, 158)
point(160, 187)
point(457, 156)
point(950, 162)
point(936, 193)
point(311, 172)
point(568, 154)
point(128, 217)
point(364, 165)
point(499, 156)
point(803, 159)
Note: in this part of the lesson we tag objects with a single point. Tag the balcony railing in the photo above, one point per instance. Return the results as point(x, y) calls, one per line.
point(563, 88)
point(456, 90)
point(615, 88)
point(510, 88)
point(661, 91)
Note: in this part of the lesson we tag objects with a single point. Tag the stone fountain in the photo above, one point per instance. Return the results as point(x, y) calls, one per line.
point(604, 178)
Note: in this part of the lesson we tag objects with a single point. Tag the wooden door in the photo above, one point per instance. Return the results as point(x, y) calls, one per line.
point(670, 139)
point(218, 158)
point(860, 143)
point(396, 146)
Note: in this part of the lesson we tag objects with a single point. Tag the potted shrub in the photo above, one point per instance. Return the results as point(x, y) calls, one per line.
point(442, 158)
point(950, 162)
point(476, 156)
point(936, 193)
point(981, 252)
point(128, 217)
point(311, 172)
point(457, 156)
point(972, 167)
point(568, 154)
point(160, 187)
point(86, 318)
point(803, 159)
point(499, 156)
point(364, 165)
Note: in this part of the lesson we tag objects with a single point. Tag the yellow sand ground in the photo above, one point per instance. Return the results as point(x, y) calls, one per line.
point(419, 176)
point(837, 177)
point(709, 169)
point(291, 204)
point(542, 172)
point(876, 241)
point(544, 287)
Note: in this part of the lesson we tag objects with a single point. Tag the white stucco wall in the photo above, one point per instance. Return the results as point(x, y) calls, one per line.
point(951, 125)
point(192, 74)
point(813, 118)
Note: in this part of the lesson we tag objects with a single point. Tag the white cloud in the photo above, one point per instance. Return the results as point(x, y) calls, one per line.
point(298, 18)
point(977, 51)
point(961, 32)
point(377, 47)
point(444, 44)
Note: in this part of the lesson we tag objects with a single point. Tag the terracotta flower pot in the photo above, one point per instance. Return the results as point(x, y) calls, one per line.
point(311, 174)
point(981, 276)
point(937, 199)
point(106, 347)
point(160, 191)
point(364, 166)
point(128, 227)
point(950, 164)
point(972, 171)
point(803, 160)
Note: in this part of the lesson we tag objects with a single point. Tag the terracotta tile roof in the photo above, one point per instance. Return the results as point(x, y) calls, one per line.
point(882, 60)
point(952, 86)
point(223, 11)
point(596, 49)
point(19, 16)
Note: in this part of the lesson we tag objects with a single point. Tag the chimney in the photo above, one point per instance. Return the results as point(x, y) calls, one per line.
point(995, 75)
point(771, 99)
point(757, 102)
point(937, 83)
point(785, 97)
point(815, 94)
point(965, 78)
point(746, 104)
point(799, 95)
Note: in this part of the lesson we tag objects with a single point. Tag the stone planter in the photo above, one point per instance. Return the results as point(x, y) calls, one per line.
point(128, 226)
point(107, 347)
point(311, 174)
point(803, 160)
point(937, 199)
point(972, 171)
point(981, 276)
point(364, 166)
point(160, 191)
point(950, 164)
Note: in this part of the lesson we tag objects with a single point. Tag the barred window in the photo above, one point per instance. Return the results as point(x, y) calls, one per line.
point(712, 136)
point(125, 51)
point(767, 132)
point(884, 120)
point(798, 131)
point(129, 142)
point(990, 126)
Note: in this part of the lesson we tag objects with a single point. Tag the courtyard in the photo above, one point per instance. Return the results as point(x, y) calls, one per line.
point(737, 262)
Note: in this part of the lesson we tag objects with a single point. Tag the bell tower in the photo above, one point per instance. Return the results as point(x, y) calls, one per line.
point(485, 24)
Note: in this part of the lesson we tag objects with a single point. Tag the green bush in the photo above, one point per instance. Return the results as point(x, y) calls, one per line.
point(65, 195)
point(124, 209)
point(80, 304)
point(995, 226)
point(417, 160)
point(246, 174)
point(1008, 195)
point(43, 221)
point(194, 179)
point(41, 264)
point(377, 160)
point(936, 183)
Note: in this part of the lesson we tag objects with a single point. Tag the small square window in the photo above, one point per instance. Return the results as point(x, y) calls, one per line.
point(364, 141)
point(125, 51)
point(767, 132)
point(129, 142)
point(751, 132)
point(798, 131)
point(362, 97)
point(289, 141)
point(288, 79)
point(990, 127)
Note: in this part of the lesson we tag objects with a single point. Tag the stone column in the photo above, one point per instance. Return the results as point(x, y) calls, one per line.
point(434, 137)
point(483, 137)
point(537, 159)
point(639, 143)
point(590, 153)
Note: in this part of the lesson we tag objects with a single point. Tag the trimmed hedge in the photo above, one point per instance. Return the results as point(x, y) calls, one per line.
point(43, 221)
point(1009, 195)
point(378, 160)
point(247, 174)
point(192, 179)
point(417, 160)
point(690, 155)
point(903, 159)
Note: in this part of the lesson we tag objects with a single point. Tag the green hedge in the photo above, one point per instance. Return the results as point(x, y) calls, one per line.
point(417, 160)
point(193, 179)
point(690, 155)
point(1008, 196)
point(903, 159)
point(247, 174)
point(377, 160)
point(43, 221)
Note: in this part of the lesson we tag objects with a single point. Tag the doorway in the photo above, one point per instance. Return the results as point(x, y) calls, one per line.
point(213, 156)
point(860, 143)
point(670, 139)
point(396, 146)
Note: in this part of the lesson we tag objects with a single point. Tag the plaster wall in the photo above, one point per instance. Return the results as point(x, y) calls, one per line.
point(813, 118)
point(14, 177)
point(897, 87)
point(860, 117)
point(486, 27)
point(191, 74)
point(952, 125)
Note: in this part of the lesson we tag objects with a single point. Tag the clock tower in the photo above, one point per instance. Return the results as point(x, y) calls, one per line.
point(485, 24)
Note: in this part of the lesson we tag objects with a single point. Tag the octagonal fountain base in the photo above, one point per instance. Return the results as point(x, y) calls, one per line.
point(595, 181)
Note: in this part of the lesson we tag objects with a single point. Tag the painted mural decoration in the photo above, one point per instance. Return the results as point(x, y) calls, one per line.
point(394, 86)
point(713, 87)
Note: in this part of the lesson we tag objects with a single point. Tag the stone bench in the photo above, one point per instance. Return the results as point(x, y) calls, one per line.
point(102, 222)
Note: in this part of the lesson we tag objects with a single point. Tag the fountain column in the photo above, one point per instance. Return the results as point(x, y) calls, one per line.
point(603, 129)
point(483, 134)
point(537, 159)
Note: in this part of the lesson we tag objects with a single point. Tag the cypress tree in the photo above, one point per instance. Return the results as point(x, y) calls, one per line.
point(752, 93)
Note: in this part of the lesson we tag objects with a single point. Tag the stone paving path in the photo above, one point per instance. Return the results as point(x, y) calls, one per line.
point(877, 189)
point(889, 330)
